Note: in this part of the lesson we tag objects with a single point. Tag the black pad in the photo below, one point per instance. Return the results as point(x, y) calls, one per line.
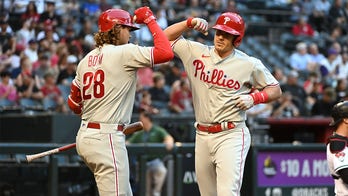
point(337, 143)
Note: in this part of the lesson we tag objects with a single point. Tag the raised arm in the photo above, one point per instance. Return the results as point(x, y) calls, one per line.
point(162, 51)
point(176, 30)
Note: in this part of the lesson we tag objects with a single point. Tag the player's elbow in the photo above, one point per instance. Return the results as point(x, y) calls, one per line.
point(162, 56)
point(274, 93)
point(74, 107)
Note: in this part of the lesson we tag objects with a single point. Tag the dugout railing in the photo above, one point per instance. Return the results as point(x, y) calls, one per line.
point(271, 169)
point(16, 157)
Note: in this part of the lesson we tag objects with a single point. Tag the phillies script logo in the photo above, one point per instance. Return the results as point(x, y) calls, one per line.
point(217, 77)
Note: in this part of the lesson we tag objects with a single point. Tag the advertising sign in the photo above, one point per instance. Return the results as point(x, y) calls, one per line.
point(293, 173)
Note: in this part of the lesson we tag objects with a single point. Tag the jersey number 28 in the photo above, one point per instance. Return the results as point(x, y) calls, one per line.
point(93, 80)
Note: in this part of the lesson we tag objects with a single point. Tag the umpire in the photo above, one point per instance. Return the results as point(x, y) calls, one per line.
point(337, 150)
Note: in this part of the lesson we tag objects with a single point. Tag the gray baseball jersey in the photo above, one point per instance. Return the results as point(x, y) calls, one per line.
point(106, 77)
point(336, 162)
point(216, 82)
point(108, 84)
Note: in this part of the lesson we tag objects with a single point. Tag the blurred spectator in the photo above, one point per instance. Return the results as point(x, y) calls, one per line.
point(172, 72)
point(85, 37)
point(279, 75)
point(6, 39)
point(296, 9)
point(170, 11)
point(16, 56)
point(156, 171)
point(159, 93)
point(32, 50)
point(300, 60)
point(181, 98)
point(319, 15)
point(323, 106)
point(315, 55)
point(329, 66)
point(69, 35)
point(335, 35)
point(28, 92)
point(146, 103)
point(336, 15)
point(314, 89)
point(309, 83)
point(5, 16)
point(18, 7)
point(345, 10)
point(8, 92)
point(26, 33)
point(308, 7)
point(303, 28)
point(52, 96)
point(231, 6)
point(337, 46)
point(67, 74)
point(5, 58)
point(48, 33)
point(72, 8)
point(90, 8)
point(31, 14)
point(343, 68)
point(299, 95)
point(161, 17)
point(104, 5)
point(285, 106)
point(341, 89)
point(43, 66)
point(25, 66)
point(49, 14)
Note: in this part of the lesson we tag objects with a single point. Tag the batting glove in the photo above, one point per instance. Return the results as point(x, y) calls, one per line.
point(143, 15)
point(198, 24)
point(245, 102)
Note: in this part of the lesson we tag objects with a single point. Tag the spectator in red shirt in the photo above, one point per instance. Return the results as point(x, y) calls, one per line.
point(302, 28)
point(181, 98)
point(53, 98)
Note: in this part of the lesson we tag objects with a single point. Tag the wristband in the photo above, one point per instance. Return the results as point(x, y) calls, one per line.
point(260, 97)
point(189, 22)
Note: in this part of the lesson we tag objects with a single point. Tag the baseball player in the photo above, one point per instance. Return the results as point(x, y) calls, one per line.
point(337, 150)
point(222, 78)
point(103, 93)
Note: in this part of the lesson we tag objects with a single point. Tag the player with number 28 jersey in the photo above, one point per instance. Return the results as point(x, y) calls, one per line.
point(103, 93)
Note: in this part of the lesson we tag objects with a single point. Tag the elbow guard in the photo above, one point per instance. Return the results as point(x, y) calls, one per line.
point(75, 99)
point(75, 107)
point(75, 92)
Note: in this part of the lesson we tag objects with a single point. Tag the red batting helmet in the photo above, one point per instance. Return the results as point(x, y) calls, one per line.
point(109, 18)
point(231, 23)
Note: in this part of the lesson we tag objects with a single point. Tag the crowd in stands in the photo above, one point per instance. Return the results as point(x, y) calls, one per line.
point(42, 42)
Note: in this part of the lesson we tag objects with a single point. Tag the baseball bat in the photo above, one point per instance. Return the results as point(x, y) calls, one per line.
point(129, 129)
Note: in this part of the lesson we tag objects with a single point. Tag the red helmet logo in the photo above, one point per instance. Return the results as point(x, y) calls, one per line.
point(109, 18)
point(233, 24)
